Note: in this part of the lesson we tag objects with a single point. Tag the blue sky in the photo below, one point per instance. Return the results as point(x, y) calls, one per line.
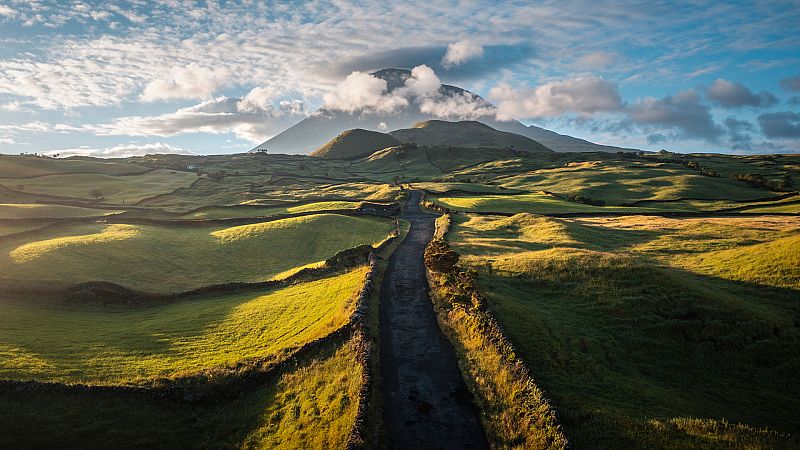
point(81, 77)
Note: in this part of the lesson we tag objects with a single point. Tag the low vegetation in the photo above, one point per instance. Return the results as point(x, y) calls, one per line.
point(311, 405)
point(515, 412)
point(98, 345)
point(173, 259)
point(637, 341)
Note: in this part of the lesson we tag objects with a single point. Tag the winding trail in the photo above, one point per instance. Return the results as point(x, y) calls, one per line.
point(426, 403)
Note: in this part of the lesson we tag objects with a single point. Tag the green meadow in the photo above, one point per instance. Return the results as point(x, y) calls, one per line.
point(167, 259)
point(650, 332)
point(640, 331)
point(311, 406)
point(102, 345)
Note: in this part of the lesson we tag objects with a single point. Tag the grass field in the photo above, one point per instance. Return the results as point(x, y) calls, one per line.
point(116, 190)
point(171, 259)
point(106, 346)
point(37, 211)
point(263, 211)
point(620, 182)
point(540, 203)
point(29, 166)
point(636, 328)
point(312, 406)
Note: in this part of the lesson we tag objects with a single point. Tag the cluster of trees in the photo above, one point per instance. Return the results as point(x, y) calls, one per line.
point(758, 180)
point(586, 200)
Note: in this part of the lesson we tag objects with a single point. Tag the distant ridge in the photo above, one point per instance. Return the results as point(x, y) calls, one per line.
point(465, 134)
point(354, 144)
point(316, 129)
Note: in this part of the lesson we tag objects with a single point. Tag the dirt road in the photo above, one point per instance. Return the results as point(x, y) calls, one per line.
point(426, 404)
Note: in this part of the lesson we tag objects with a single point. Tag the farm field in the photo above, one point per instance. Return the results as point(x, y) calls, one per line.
point(640, 331)
point(259, 211)
point(646, 331)
point(312, 406)
point(102, 345)
point(172, 259)
point(118, 190)
point(39, 211)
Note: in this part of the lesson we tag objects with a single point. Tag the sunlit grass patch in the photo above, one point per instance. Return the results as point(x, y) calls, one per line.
point(312, 405)
point(171, 259)
point(37, 210)
point(101, 345)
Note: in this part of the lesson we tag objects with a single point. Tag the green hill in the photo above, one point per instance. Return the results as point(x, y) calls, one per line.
point(468, 134)
point(354, 144)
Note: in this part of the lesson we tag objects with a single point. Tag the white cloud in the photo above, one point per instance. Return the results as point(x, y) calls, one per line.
point(461, 52)
point(422, 83)
point(362, 91)
point(121, 151)
point(463, 106)
point(6, 11)
point(250, 117)
point(583, 96)
point(595, 60)
point(189, 82)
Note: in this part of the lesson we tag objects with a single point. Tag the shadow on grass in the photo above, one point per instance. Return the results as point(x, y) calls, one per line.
point(103, 420)
point(619, 342)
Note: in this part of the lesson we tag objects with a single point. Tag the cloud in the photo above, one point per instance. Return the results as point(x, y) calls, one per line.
point(584, 96)
point(188, 82)
point(739, 133)
point(734, 95)
point(596, 60)
point(780, 125)
point(461, 52)
point(791, 84)
point(6, 11)
point(251, 117)
point(364, 93)
point(121, 151)
point(682, 113)
point(361, 91)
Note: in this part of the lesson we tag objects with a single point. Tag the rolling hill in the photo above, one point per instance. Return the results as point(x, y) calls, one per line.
point(313, 131)
point(468, 134)
point(354, 144)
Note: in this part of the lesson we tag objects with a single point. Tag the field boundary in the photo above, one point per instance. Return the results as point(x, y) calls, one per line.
point(216, 383)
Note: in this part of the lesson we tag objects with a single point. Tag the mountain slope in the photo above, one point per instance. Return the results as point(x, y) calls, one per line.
point(316, 129)
point(354, 144)
point(469, 134)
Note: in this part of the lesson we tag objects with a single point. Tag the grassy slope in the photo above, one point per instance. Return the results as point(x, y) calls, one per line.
point(99, 345)
point(313, 406)
point(115, 189)
point(353, 144)
point(617, 340)
point(164, 259)
point(255, 211)
point(533, 203)
point(37, 210)
point(28, 166)
point(618, 182)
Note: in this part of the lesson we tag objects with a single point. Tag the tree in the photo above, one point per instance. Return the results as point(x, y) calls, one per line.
point(96, 193)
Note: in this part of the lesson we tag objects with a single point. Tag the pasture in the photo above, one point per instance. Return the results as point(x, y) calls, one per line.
point(312, 405)
point(165, 259)
point(642, 330)
point(117, 190)
point(102, 345)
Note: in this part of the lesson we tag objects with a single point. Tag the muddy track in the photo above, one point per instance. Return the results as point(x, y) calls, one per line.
point(426, 403)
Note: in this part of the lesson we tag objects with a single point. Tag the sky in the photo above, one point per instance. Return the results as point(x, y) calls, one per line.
point(207, 77)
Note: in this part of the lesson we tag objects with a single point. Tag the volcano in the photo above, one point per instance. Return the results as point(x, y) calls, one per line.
point(318, 128)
